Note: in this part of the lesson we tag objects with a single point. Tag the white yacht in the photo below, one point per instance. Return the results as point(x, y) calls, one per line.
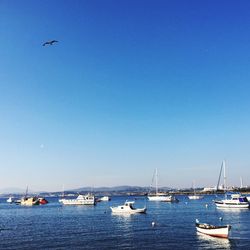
point(236, 201)
point(88, 199)
point(128, 208)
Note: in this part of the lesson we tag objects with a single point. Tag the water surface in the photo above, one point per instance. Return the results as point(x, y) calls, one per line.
point(54, 226)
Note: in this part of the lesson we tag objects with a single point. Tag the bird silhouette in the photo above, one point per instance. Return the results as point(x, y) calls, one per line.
point(50, 42)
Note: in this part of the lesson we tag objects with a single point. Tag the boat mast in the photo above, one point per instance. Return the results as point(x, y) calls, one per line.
point(218, 183)
point(225, 178)
point(156, 181)
point(194, 187)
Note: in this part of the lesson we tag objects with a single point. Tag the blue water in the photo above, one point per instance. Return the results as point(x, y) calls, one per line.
point(54, 226)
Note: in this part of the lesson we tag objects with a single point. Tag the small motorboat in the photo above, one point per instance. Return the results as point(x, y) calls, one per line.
point(10, 200)
point(105, 198)
point(215, 231)
point(42, 201)
point(128, 208)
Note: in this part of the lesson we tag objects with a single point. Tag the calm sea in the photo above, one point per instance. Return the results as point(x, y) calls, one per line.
point(54, 226)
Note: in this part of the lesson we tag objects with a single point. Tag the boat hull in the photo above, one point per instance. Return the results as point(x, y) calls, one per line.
point(226, 204)
point(220, 232)
point(162, 198)
point(80, 200)
point(76, 202)
point(132, 211)
point(195, 197)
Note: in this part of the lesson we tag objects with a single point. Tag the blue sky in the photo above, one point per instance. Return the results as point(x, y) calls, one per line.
point(130, 86)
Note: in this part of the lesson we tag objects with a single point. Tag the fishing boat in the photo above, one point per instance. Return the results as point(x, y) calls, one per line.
point(215, 231)
point(157, 196)
point(88, 199)
point(29, 201)
point(195, 196)
point(128, 208)
point(235, 201)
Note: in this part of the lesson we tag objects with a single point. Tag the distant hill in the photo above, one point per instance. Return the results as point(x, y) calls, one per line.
point(115, 189)
point(13, 190)
point(109, 189)
point(118, 189)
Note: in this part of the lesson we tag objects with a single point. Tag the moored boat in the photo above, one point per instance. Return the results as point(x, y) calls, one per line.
point(88, 199)
point(162, 197)
point(42, 201)
point(29, 201)
point(157, 196)
point(195, 196)
point(10, 200)
point(104, 198)
point(236, 201)
point(128, 208)
point(215, 231)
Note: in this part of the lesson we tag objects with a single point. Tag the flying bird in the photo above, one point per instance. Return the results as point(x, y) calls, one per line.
point(50, 42)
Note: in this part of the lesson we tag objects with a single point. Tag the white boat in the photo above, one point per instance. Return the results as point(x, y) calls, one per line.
point(157, 196)
point(105, 198)
point(162, 198)
point(195, 196)
point(88, 199)
point(236, 201)
point(13, 200)
point(10, 200)
point(215, 231)
point(128, 208)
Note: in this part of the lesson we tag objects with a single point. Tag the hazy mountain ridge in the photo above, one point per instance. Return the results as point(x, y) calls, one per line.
point(123, 188)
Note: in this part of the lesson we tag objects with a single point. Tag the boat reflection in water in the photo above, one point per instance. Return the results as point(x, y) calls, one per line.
point(208, 242)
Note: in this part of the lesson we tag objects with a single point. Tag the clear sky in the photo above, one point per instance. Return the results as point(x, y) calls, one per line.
point(130, 86)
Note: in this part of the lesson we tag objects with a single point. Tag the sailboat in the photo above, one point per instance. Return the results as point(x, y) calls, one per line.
point(195, 196)
point(157, 196)
point(235, 201)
